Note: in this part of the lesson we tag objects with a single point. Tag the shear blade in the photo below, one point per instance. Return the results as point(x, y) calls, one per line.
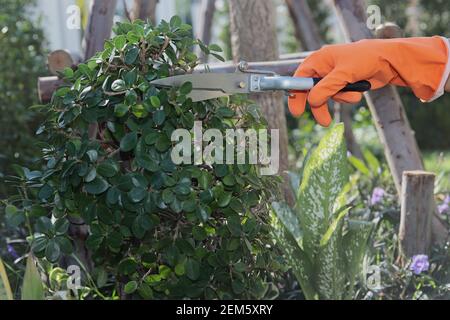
point(208, 85)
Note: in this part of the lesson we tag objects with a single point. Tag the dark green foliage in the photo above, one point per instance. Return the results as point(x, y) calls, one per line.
point(22, 54)
point(157, 230)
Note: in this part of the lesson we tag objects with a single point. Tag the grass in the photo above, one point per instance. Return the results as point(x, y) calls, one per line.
point(439, 163)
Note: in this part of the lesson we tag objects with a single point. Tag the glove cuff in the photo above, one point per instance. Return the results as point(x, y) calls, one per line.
point(440, 90)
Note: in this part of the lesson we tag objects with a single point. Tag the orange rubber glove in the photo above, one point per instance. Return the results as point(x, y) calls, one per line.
point(419, 63)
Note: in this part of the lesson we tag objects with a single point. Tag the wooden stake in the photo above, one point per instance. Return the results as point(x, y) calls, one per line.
point(417, 208)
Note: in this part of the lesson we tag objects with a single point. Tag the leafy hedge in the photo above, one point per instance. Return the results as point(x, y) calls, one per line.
point(156, 230)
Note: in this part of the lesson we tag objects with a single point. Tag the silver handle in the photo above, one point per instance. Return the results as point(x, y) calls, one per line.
point(264, 83)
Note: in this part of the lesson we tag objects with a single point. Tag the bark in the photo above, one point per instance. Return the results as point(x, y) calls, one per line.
point(394, 130)
point(144, 9)
point(254, 38)
point(207, 9)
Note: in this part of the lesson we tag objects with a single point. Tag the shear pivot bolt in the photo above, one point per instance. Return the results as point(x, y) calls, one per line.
point(242, 84)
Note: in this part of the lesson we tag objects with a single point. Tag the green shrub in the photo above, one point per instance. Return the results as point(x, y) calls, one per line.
point(156, 230)
point(23, 60)
point(324, 251)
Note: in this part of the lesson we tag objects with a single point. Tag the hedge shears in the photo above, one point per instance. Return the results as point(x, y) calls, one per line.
point(212, 85)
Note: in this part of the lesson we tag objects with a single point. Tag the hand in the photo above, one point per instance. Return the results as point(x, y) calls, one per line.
point(419, 63)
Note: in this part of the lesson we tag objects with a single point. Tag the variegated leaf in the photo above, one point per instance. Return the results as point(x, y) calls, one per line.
point(324, 177)
point(298, 261)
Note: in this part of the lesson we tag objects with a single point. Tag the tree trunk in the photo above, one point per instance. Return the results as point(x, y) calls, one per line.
point(99, 26)
point(144, 9)
point(207, 9)
point(306, 30)
point(254, 38)
point(394, 130)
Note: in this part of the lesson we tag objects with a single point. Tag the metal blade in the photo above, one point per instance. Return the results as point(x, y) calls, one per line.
point(209, 85)
point(202, 95)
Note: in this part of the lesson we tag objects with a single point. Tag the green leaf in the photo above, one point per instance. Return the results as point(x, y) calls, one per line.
point(108, 169)
point(5, 288)
point(131, 55)
point(10, 209)
point(215, 47)
point(296, 258)
point(355, 245)
point(224, 199)
point(118, 85)
point(372, 161)
point(359, 165)
point(137, 194)
point(119, 42)
point(96, 186)
point(44, 225)
point(186, 88)
point(154, 100)
point(32, 287)
point(120, 110)
point(52, 252)
point(159, 117)
point(127, 266)
point(192, 268)
point(289, 220)
point(324, 177)
point(131, 287)
point(199, 233)
point(129, 142)
point(39, 244)
point(175, 22)
point(45, 192)
point(326, 237)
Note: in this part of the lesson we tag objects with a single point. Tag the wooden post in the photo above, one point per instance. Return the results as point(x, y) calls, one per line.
point(417, 208)
point(58, 60)
point(394, 130)
point(206, 15)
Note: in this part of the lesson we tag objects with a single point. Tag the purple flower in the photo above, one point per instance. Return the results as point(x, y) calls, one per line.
point(419, 263)
point(443, 208)
point(447, 199)
point(377, 196)
point(12, 251)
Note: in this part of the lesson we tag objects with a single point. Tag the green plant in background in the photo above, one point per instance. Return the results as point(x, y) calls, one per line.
point(324, 251)
point(32, 286)
point(23, 55)
point(156, 230)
